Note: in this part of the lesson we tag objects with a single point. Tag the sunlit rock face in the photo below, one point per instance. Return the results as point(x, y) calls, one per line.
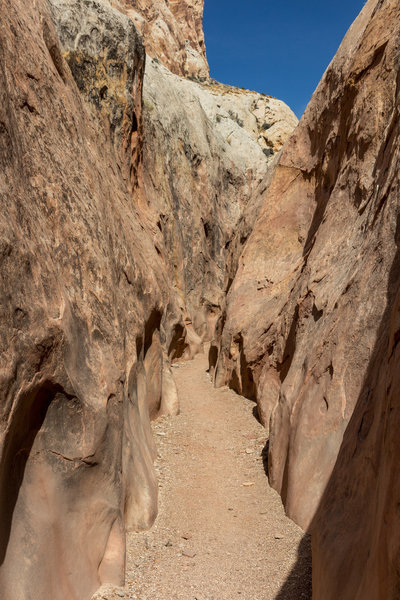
point(115, 225)
point(197, 156)
point(85, 310)
point(312, 317)
point(106, 58)
point(203, 161)
point(172, 32)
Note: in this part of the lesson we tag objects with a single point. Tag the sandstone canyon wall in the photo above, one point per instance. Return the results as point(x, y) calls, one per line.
point(206, 150)
point(82, 314)
point(116, 222)
point(311, 326)
point(198, 154)
point(134, 200)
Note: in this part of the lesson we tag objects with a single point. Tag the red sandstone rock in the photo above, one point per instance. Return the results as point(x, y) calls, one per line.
point(312, 316)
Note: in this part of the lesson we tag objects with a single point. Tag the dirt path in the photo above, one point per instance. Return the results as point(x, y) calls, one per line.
point(221, 533)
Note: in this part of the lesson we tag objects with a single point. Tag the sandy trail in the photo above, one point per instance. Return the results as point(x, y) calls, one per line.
point(221, 532)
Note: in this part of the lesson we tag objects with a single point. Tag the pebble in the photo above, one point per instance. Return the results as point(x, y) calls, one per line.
point(188, 553)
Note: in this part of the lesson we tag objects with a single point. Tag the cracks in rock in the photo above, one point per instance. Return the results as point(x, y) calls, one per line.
point(290, 346)
point(55, 53)
point(373, 63)
point(32, 109)
point(86, 460)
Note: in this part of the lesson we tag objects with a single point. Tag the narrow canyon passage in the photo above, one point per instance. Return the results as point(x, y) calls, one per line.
point(221, 532)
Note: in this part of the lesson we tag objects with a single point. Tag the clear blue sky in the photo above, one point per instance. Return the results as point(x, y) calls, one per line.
point(278, 47)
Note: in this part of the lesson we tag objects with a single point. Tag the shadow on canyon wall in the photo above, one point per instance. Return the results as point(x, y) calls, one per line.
point(353, 527)
point(298, 585)
point(348, 529)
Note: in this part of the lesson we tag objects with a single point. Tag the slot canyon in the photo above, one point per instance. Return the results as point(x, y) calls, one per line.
point(199, 314)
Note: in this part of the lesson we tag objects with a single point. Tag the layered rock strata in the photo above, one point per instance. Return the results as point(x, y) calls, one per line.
point(312, 317)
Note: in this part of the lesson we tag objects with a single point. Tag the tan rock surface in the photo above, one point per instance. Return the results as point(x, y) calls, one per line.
point(96, 238)
point(268, 120)
point(81, 312)
point(197, 153)
point(312, 316)
point(221, 532)
point(172, 31)
point(202, 162)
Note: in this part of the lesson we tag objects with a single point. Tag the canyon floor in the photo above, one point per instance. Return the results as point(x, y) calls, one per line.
point(221, 532)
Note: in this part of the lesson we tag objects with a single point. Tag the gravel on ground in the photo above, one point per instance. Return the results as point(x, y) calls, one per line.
point(221, 532)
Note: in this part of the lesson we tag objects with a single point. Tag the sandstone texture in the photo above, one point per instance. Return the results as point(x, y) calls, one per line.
point(202, 163)
point(84, 320)
point(172, 32)
point(311, 326)
point(267, 119)
point(116, 224)
point(106, 57)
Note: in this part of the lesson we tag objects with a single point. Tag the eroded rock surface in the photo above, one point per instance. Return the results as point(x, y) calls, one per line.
point(82, 313)
point(112, 250)
point(172, 32)
point(106, 57)
point(312, 316)
point(268, 120)
point(202, 162)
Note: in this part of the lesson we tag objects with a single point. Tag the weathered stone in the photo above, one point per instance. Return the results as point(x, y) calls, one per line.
point(266, 119)
point(169, 400)
point(172, 31)
point(106, 58)
point(312, 322)
point(77, 299)
point(113, 240)
point(201, 165)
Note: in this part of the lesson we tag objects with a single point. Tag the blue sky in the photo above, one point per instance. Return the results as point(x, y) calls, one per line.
point(278, 47)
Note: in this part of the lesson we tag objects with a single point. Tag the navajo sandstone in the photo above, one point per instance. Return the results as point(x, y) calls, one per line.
point(172, 31)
